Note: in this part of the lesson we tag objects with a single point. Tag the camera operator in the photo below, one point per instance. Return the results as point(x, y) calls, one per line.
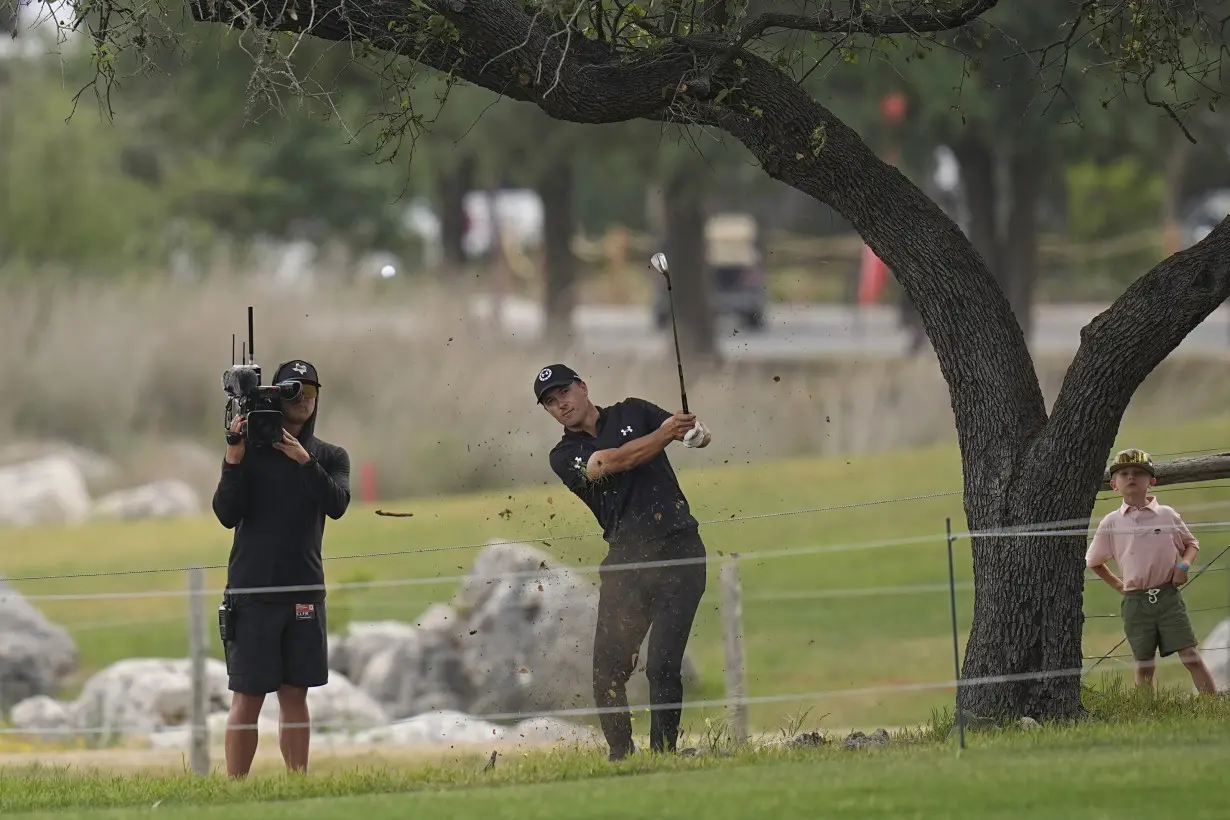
point(276, 500)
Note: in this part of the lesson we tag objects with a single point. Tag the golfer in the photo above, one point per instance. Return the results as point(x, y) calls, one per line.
point(613, 458)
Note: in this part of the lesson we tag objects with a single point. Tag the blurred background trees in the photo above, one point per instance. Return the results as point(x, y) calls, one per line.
point(202, 170)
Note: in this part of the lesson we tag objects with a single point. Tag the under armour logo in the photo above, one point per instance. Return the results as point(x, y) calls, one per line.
point(626, 431)
point(545, 374)
point(300, 368)
point(578, 461)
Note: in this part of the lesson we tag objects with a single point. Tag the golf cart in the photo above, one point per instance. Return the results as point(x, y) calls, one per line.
point(733, 254)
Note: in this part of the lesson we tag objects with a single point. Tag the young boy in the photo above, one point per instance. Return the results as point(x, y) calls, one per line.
point(1154, 550)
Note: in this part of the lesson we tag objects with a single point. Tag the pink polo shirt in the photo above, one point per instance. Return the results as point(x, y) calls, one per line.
point(1145, 542)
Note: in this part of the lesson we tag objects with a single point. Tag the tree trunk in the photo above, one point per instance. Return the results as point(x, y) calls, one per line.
point(451, 187)
point(1028, 618)
point(555, 188)
point(1019, 467)
point(691, 281)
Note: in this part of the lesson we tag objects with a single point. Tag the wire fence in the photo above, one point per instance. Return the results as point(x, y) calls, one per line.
point(349, 723)
point(785, 625)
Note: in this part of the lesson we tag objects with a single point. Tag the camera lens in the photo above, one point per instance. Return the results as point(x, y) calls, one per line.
point(289, 391)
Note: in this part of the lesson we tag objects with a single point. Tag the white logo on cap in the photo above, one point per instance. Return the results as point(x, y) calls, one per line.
point(300, 368)
point(545, 374)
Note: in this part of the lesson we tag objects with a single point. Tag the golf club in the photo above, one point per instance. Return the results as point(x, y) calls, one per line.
point(658, 263)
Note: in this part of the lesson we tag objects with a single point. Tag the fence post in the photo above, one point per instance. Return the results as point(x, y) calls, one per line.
point(956, 651)
point(732, 645)
point(197, 648)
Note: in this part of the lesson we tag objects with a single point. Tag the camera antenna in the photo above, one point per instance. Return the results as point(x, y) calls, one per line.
point(251, 339)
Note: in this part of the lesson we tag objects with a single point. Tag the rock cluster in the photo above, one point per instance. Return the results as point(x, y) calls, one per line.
point(517, 638)
point(515, 642)
point(50, 484)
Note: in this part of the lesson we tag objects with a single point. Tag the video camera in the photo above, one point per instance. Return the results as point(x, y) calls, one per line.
point(259, 405)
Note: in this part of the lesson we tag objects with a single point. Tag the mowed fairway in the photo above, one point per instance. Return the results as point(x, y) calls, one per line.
point(1093, 771)
point(835, 618)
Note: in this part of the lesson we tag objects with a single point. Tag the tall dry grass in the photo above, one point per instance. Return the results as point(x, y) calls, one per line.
point(437, 401)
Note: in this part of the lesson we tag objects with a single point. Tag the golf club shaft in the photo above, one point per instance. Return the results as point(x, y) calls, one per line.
point(670, 297)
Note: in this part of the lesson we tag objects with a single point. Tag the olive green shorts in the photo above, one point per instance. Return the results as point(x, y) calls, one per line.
point(1157, 623)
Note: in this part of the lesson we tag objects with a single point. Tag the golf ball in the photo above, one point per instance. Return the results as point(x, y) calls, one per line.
point(388, 271)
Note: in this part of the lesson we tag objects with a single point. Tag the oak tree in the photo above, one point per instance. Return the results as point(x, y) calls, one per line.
point(739, 67)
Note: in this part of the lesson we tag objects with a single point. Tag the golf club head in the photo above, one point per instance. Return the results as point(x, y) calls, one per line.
point(658, 263)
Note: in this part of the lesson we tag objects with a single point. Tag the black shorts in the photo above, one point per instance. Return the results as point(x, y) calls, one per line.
point(275, 645)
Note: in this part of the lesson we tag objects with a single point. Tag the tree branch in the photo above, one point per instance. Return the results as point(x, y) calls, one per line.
point(496, 44)
point(504, 48)
point(1170, 51)
point(982, 353)
point(1124, 343)
point(713, 15)
point(862, 22)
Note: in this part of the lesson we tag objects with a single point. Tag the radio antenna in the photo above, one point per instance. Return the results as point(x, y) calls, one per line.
point(251, 339)
point(232, 348)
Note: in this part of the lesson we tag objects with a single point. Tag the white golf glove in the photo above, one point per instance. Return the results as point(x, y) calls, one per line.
point(695, 436)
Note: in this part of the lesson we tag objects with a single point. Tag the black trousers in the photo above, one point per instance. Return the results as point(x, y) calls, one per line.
point(631, 603)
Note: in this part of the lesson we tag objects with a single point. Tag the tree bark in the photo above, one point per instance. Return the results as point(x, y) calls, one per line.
point(555, 188)
point(1020, 468)
point(690, 277)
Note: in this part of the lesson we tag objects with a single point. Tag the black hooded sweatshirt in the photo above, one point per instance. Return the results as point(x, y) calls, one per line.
point(277, 509)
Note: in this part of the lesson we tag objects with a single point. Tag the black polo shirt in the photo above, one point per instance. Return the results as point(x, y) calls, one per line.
point(635, 507)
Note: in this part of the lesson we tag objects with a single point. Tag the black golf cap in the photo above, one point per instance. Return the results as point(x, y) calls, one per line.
point(552, 376)
point(297, 370)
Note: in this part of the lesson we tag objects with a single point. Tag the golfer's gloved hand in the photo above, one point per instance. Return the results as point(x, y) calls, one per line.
point(679, 425)
point(696, 436)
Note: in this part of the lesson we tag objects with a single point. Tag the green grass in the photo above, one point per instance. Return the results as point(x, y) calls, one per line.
point(1110, 766)
point(806, 643)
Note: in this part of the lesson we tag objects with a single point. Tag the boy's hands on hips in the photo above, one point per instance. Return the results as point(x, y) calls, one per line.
point(1180, 576)
point(1112, 580)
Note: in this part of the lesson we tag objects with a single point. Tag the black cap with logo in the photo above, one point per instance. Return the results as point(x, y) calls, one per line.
point(552, 376)
point(296, 370)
